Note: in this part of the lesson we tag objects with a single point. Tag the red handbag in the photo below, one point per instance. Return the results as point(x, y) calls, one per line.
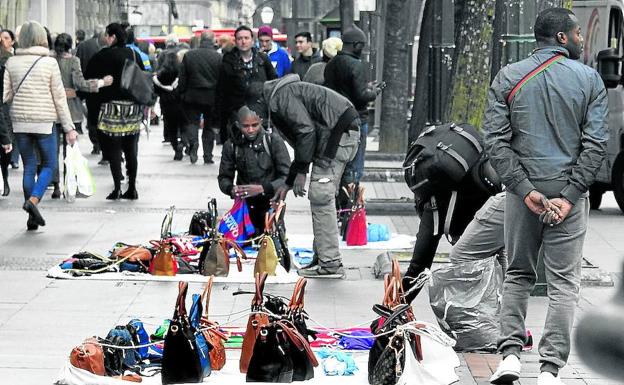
point(356, 228)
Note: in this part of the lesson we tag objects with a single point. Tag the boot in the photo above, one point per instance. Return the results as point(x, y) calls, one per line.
point(56, 194)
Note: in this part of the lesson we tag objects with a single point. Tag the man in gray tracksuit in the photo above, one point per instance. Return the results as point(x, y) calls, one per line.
point(546, 140)
point(323, 127)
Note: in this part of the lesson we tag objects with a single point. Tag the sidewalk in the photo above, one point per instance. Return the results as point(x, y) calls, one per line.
point(42, 319)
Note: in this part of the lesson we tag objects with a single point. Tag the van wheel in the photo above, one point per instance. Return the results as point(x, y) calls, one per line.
point(617, 178)
point(595, 197)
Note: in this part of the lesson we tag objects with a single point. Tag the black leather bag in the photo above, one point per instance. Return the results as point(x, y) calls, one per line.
point(137, 84)
point(180, 362)
point(271, 360)
point(391, 358)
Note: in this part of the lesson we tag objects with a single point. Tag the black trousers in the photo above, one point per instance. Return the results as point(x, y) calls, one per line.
point(173, 122)
point(193, 113)
point(112, 148)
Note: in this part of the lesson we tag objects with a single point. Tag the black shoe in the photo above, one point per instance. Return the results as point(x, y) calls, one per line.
point(14, 165)
point(56, 194)
point(115, 195)
point(32, 209)
point(30, 224)
point(187, 150)
point(130, 194)
point(193, 158)
point(7, 190)
point(208, 161)
point(178, 154)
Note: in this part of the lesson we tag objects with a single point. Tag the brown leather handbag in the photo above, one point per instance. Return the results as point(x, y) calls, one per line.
point(254, 323)
point(164, 263)
point(88, 356)
point(133, 254)
point(217, 260)
point(211, 332)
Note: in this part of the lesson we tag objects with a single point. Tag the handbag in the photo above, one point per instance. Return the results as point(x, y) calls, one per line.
point(387, 370)
point(267, 259)
point(180, 361)
point(254, 323)
point(136, 84)
point(356, 226)
point(133, 254)
point(215, 260)
point(211, 332)
point(88, 356)
point(203, 222)
point(163, 263)
point(278, 235)
point(296, 313)
point(271, 360)
point(203, 347)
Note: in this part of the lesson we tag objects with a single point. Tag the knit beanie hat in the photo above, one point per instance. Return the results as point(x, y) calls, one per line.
point(265, 30)
point(331, 47)
point(354, 35)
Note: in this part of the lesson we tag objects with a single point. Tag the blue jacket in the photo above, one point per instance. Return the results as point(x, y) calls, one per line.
point(552, 135)
point(280, 60)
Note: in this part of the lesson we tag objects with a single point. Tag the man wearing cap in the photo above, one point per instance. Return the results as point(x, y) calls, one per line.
point(346, 74)
point(278, 55)
point(315, 73)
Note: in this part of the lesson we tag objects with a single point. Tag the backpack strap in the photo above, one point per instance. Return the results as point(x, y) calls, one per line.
point(541, 68)
point(449, 217)
point(266, 141)
point(436, 215)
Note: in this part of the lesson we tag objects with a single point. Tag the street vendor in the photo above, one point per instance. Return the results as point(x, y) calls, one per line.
point(254, 163)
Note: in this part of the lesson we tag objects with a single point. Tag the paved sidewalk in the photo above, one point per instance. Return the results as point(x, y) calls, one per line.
point(42, 319)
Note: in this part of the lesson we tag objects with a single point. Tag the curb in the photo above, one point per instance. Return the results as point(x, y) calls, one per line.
point(383, 174)
point(403, 206)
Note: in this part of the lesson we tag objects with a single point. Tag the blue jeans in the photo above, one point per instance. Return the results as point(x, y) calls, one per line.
point(28, 144)
point(355, 168)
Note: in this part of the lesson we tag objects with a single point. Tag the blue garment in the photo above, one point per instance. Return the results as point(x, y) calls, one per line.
point(337, 363)
point(46, 143)
point(280, 60)
point(144, 57)
point(355, 169)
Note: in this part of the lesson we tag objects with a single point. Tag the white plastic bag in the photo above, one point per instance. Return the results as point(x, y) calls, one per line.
point(78, 178)
point(415, 373)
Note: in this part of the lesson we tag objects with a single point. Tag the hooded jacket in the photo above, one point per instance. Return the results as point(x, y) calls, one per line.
point(311, 118)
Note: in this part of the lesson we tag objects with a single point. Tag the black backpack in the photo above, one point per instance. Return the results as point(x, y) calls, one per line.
point(203, 222)
point(440, 158)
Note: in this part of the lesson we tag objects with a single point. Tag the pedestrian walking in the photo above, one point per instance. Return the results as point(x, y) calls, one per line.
point(254, 163)
point(7, 49)
point(278, 55)
point(545, 132)
point(242, 72)
point(346, 74)
point(308, 55)
point(323, 128)
point(166, 82)
point(316, 73)
point(34, 87)
point(120, 117)
point(73, 81)
point(199, 73)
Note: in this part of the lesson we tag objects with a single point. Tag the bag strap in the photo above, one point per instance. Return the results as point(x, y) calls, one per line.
point(298, 340)
point(180, 309)
point(205, 297)
point(25, 76)
point(541, 68)
point(265, 143)
point(228, 244)
point(297, 299)
point(391, 295)
point(436, 215)
point(260, 281)
point(449, 217)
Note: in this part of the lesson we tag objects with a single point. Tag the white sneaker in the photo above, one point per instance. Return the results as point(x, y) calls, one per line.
point(547, 378)
point(508, 371)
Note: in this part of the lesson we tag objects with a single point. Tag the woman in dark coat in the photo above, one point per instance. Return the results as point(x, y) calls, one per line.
point(165, 85)
point(120, 117)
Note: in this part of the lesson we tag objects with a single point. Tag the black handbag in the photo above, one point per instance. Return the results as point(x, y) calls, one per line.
point(180, 361)
point(278, 235)
point(388, 368)
point(136, 83)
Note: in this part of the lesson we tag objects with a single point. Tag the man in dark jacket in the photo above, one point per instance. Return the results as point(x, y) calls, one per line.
point(260, 162)
point(307, 54)
point(323, 128)
point(197, 86)
point(88, 48)
point(242, 67)
point(346, 74)
point(546, 136)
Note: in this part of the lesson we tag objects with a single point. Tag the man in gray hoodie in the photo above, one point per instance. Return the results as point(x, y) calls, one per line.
point(545, 132)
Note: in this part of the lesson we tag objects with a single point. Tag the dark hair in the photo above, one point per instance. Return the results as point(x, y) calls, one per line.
point(117, 30)
point(63, 43)
point(80, 35)
point(9, 32)
point(49, 37)
point(551, 21)
point(130, 39)
point(169, 62)
point(305, 34)
point(243, 28)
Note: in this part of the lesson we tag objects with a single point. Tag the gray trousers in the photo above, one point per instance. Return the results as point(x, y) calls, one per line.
point(324, 184)
point(562, 247)
point(484, 236)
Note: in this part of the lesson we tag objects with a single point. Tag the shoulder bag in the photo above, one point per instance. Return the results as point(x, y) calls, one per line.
point(181, 362)
point(136, 84)
point(88, 356)
point(215, 260)
point(254, 323)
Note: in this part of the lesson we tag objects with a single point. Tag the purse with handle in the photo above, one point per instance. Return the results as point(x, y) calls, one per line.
point(163, 263)
point(215, 259)
point(211, 331)
point(254, 323)
point(267, 259)
point(89, 356)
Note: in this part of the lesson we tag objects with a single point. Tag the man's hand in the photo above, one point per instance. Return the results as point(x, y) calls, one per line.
point(564, 206)
point(280, 193)
point(247, 190)
point(537, 202)
point(71, 137)
point(108, 80)
point(7, 148)
point(299, 185)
